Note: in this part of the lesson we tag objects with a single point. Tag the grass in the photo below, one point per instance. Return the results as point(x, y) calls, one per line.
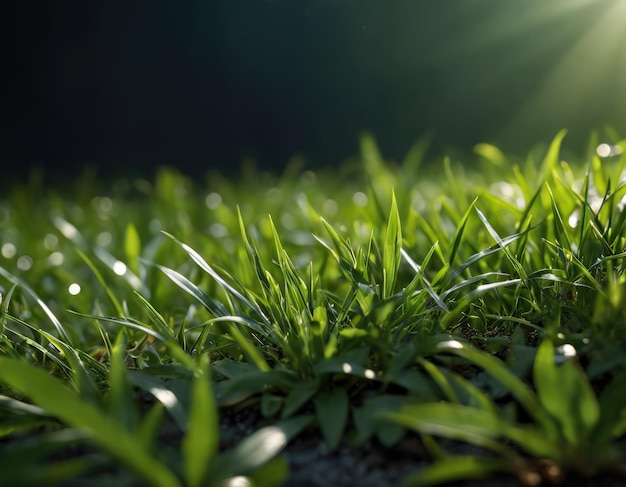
point(483, 304)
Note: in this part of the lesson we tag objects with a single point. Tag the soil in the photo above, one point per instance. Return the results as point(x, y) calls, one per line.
point(370, 464)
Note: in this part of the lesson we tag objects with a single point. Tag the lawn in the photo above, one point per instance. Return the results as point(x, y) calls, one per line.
point(478, 309)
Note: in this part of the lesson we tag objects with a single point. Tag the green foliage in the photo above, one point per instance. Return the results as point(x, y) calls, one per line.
point(572, 427)
point(375, 298)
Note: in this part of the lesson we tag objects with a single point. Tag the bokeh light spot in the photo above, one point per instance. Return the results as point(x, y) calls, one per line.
point(56, 258)
point(24, 262)
point(330, 206)
point(213, 200)
point(607, 150)
point(104, 239)
point(359, 198)
point(8, 250)
point(218, 230)
point(74, 289)
point(50, 241)
point(119, 268)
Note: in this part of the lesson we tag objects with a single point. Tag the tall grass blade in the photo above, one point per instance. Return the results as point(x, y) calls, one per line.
point(391, 250)
point(565, 392)
point(195, 256)
point(202, 439)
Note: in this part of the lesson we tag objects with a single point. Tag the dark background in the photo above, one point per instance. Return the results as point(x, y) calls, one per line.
point(203, 84)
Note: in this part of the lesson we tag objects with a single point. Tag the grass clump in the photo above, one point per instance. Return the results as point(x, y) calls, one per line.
point(483, 304)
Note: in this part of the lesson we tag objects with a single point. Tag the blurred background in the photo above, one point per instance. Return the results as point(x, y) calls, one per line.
point(204, 84)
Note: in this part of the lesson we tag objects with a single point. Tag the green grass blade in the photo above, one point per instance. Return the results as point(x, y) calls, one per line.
point(331, 409)
point(214, 306)
point(167, 339)
point(132, 246)
point(504, 242)
point(48, 312)
point(157, 388)
point(52, 395)
point(197, 258)
point(114, 301)
point(477, 426)
point(67, 357)
point(460, 231)
point(499, 371)
point(613, 410)
point(391, 250)
point(560, 231)
point(202, 439)
point(519, 269)
point(257, 449)
point(551, 160)
point(456, 469)
point(566, 393)
point(120, 402)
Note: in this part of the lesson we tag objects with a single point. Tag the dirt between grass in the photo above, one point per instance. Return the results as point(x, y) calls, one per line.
point(311, 464)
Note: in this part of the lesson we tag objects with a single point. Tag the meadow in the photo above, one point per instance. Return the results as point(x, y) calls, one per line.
point(481, 304)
